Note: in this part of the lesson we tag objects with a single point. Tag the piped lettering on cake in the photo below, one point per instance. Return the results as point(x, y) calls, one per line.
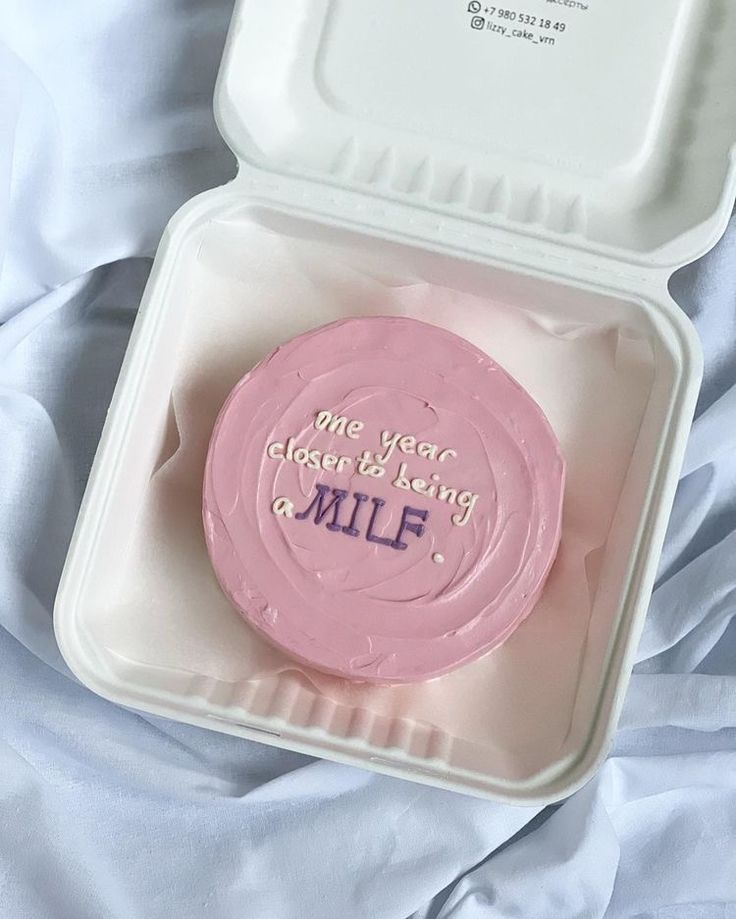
point(433, 489)
point(321, 506)
point(366, 466)
point(408, 526)
point(282, 507)
point(338, 424)
point(373, 464)
point(408, 444)
point(351, 528)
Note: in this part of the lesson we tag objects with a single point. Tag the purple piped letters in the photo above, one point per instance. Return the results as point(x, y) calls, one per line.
point(416, 528)
point(339, 496)
point(321, 507)
point(350, 529)
point(370, 535)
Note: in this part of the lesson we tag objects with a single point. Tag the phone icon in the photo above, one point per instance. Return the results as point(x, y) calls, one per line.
point(474, 6)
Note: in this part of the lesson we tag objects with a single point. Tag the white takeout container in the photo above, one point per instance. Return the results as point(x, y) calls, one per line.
point(542, 184)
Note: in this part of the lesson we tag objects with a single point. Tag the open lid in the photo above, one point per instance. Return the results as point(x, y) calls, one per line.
point(604, 125)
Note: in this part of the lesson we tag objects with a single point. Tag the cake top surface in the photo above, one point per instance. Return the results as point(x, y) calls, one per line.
point(382, 500)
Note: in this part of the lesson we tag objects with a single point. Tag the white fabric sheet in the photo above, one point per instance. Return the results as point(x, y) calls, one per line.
point(105, 128)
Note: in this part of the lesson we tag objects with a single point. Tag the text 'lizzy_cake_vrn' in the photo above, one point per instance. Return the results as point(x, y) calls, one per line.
point(382, 501)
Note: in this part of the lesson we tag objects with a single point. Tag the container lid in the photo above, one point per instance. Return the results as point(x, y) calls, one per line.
point(604, 126)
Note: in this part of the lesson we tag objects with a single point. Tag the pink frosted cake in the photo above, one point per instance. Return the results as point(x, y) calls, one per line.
point(381, 500)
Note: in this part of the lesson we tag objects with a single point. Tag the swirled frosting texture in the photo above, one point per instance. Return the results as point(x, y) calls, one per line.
point(471, 569)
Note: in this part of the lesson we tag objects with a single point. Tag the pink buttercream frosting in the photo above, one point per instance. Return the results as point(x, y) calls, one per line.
point(382, 500)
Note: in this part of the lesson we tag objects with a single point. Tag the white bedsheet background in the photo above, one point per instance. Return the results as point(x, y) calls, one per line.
point(105, 128)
